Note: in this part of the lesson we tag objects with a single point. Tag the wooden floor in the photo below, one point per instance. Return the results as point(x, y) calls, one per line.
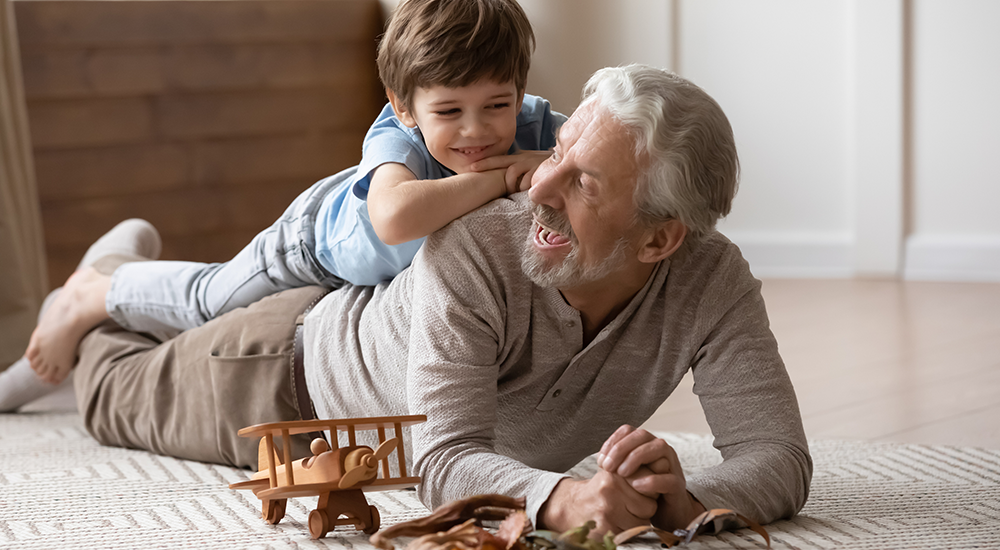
point(882, 361)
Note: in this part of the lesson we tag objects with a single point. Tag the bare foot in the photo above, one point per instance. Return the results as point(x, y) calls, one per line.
point(75, 311)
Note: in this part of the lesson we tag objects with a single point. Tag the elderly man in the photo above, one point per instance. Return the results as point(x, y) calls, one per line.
point(532, 332)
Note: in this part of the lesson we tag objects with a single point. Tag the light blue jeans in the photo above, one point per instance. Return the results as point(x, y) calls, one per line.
point(165, 295)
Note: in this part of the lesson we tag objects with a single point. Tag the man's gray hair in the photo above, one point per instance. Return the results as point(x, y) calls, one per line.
point(693, 169)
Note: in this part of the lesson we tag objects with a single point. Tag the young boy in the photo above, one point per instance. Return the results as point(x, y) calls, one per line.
point(457, 133)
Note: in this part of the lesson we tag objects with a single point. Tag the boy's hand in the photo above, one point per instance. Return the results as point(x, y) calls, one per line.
point(519, 168)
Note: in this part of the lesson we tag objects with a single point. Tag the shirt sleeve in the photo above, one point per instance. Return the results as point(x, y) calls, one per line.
point(537, 125)
point(751, 407)
point(347, 245)
point(454, 360)
point(356, 254)
point(389, 140)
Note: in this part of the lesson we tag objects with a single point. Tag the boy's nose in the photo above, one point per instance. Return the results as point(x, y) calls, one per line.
point(473, 127)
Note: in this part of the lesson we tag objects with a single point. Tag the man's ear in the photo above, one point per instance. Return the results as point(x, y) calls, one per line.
point(402, 113)
point(662, 241)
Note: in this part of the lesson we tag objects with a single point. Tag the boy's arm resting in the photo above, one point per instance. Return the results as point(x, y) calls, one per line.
point(403, 208)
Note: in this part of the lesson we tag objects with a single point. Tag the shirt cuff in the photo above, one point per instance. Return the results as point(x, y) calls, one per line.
point(539, 493)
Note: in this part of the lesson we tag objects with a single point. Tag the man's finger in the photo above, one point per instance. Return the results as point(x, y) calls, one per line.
point(617, 453)
point(610, 443)
point(659, 484)
point(626, 507)
point(655, 453)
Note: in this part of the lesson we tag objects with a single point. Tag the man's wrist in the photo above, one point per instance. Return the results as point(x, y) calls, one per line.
point(552, 513)
point(677, 513)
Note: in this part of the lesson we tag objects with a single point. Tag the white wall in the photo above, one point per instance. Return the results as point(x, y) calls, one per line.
point(955, 229)
point(577, 37)
point(779, 70)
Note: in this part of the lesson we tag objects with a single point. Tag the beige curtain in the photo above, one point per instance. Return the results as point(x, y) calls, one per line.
point(22, 251)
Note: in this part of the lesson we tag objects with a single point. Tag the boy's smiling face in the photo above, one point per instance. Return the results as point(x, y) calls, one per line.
point(465, 124)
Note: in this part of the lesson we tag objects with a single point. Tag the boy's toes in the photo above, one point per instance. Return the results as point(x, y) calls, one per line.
point(41, 369)
point(52, 375)
point(32, 352)
point(36, 364)
point(55, 376)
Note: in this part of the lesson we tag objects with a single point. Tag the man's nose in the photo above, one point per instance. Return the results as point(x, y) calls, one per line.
point(545, 188)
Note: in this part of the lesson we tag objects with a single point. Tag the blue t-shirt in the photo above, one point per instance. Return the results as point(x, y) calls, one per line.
point(346, 243)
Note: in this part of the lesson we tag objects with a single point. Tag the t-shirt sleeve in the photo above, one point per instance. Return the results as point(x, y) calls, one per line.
point(537, 125)
point(454, 360)
point(347, 245)
point(356, 254)
point(388, 140)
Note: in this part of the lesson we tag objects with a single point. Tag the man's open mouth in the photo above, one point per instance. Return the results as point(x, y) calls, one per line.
point(545, 237)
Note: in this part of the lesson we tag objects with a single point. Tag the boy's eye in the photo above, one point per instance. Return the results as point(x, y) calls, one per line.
point(447, 112)
point(500, 105)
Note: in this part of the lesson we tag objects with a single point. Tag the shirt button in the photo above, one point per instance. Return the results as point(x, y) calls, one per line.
point(556, 393)
point(570, 324)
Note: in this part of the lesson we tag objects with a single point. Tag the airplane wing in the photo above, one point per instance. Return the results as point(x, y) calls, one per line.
point(295, 427)
point(350, 425)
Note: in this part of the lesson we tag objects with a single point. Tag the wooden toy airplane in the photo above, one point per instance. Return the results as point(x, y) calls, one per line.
point(338, 476)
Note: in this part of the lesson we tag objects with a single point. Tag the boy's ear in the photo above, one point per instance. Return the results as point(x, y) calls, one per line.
point(662, 241)
point(402, 113)
point(520, 101)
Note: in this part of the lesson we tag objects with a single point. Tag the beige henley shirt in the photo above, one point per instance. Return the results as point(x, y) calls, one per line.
point(512, 395)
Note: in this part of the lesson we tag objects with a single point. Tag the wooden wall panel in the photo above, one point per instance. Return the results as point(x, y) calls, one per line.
point(137, 22)
point(205, 117)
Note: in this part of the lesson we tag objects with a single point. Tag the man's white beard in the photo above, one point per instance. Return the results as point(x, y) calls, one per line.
point(569, 273)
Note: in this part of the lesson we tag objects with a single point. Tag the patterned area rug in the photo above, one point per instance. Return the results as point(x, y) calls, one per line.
point(58, 489)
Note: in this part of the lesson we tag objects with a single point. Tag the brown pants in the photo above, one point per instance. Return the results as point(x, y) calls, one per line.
point(188, 396)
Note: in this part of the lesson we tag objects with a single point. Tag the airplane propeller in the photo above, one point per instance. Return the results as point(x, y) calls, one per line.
point(362, 464)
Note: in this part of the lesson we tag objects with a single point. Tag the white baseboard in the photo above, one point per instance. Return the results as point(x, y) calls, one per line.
point(799, 256)
point(830, 256)
point(952, 258)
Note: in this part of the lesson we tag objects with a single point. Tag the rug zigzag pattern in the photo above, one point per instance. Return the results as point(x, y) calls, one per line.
point(59, 488)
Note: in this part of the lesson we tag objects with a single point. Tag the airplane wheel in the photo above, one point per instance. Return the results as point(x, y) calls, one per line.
point(375, 523)
point(319, 524)
point(274, 511)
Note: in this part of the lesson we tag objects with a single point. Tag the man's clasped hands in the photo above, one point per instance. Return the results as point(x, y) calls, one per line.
point(639, 481)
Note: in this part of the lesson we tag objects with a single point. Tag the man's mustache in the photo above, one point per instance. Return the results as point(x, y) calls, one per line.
point(554, 220)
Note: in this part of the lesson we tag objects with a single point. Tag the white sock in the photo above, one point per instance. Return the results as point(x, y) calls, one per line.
point(132, 237)
point(20, 385)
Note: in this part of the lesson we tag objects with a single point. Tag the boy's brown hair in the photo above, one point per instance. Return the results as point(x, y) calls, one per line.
point(454, 43)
